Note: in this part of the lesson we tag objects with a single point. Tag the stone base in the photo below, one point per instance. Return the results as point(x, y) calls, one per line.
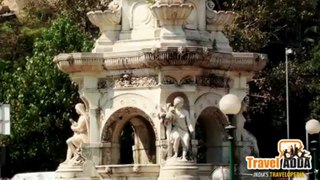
point(85, 171)
point(68, 172)
point(176, 169)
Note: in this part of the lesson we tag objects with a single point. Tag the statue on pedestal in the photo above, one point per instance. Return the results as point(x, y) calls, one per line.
point(80, 136)
point(178, 128)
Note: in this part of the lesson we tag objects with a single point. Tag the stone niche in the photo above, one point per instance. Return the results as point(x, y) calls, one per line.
point(149, 54)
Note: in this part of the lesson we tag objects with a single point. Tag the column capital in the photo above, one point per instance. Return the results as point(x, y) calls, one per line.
point(239, 80)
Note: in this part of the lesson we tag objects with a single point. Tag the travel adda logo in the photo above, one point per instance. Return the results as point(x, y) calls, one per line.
point(292, 156)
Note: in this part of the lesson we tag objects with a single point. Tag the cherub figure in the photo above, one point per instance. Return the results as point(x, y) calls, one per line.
point(178, 128)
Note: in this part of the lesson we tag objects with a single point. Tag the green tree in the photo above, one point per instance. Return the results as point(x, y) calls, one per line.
point(42, 100)
point(268, 27)
point(314, 67)
point(268, 22)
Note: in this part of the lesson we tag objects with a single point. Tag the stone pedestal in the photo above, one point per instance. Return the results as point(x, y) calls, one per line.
point(102, 153)
point(85, 171)
point(106, 41)
point(93, 152)
point(176, 169)
point(172, 35)
point(67, 172)
point(171, 18)
point(109, 24)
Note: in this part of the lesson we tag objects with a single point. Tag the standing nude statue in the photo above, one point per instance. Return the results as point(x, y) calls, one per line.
point(80, 136)
point(178, 128)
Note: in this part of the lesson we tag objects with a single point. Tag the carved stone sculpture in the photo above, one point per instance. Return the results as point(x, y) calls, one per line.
point(216, 21)
point(80, 136)
point(171, 15)
point(178, 128)
point(108, 22)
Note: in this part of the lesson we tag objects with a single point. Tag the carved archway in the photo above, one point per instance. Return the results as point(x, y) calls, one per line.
point(204, 101)
point(143, 137)
point(211, 135)
point(117, 103)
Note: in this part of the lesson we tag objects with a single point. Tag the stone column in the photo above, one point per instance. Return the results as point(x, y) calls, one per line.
point(194, 148)
point(91, 95)
point(244, 141)
point(161, 151)
point(93, 111)
point(239, 87)
point(193, 140)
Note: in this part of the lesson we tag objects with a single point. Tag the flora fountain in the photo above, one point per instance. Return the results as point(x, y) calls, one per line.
point(150, 91)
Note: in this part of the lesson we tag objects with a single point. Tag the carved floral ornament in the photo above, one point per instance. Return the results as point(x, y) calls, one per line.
point(128, 81)
point(210, 80)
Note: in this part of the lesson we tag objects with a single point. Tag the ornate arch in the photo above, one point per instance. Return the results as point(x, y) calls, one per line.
point(129, 100)
point(205, 100)
point(210, 133)
point(112, 128)
point(145, 135)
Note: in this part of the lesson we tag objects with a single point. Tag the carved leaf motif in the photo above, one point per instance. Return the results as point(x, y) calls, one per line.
point(212, 81)
point(133, 81)
point(127, 81)
point(169, 80)
point(186, 80)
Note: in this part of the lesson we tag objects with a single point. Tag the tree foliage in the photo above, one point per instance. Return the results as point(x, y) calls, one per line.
point(269, 27)
point(260, 23)
point(42, 98)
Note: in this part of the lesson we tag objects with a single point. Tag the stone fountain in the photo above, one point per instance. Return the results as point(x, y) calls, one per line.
point(150, 91)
